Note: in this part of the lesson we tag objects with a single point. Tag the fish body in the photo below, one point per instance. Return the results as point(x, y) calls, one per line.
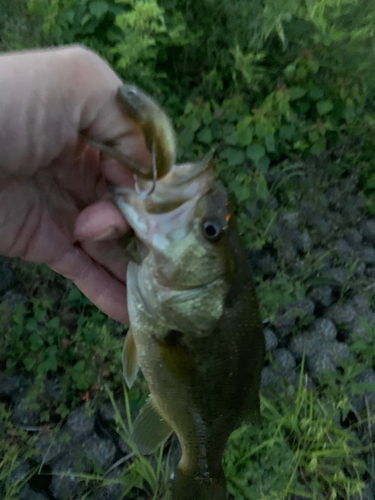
point(156, 127)
point(195, 329)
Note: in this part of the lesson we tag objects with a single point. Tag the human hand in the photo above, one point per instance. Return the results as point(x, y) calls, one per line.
point(52, 186)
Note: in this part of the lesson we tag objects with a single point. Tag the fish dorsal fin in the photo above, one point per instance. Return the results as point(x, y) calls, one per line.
point(129, 359)
point(150, 430)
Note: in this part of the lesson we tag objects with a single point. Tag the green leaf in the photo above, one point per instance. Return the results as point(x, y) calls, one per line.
point(192, 123)
point(205, 136)
point(231, 138)
point(98, 9)
point(74, 295)
point(29, 363)
point(234, 156)
point(36, 339)
point(262, 129)
point(76, 370)
point(255, 152)
point(313, 137)
point(270, 143)
point(324, 107)
point(287, 132)
point(85, 19)
point(319, 146)
point(245, 135)
point(263, 164)
point(53, 323)
point(296, 93)
point(31, 325)
point(262, 188)
point(316, 94)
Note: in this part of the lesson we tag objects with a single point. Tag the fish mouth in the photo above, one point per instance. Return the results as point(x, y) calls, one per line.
point(170, 205)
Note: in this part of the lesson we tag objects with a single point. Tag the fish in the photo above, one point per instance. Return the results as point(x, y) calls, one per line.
point(157, 128)
point(195, 328)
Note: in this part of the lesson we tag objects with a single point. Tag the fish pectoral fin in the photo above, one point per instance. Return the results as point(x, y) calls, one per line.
point(129, 359)
point(177, 358)
point(150, 430)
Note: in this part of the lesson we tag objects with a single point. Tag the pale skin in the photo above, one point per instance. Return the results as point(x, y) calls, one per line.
point(54, 206)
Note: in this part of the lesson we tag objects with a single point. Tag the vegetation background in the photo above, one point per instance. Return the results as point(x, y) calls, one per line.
point(271, 85)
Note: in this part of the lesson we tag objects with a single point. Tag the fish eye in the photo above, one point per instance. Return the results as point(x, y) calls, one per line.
point(132, 92)
point(212, 230)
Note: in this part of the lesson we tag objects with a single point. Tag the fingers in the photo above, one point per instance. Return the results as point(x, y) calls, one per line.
point(100, 221)
point(95, 282)
point(48, 98)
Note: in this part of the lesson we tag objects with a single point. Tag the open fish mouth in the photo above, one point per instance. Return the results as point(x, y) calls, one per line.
point(181, 184)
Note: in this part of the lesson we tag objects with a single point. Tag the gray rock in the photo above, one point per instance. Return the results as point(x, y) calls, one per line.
point(313, 219)
point(284, 360)
point(303, 242)
point(323, 257)
point(368, 231)
point(12, 298)
point(79, 424)
point(360, 304)
point(272, 203)
point(64, 484)
point(320, 361)
point(360, 269)
point(359, 402)
point(53, 387)
point(367, 255)
point(301, 344)
point(107, 412)
point(20, 473)
point(326, 356)
point(321, 295)
point(338, 274)
point(284, 323)
point(288, 254)
point(270, 339)
point(354, 239)
point(25, 413)
point(100, 451)
point(111, 491)
point(7, 278)
point(336, 220)
point(345, 251)
point(341, 314)
point(52, 446)
point(291, 219)
point(29, 494)
point(269, 376)
point(262, 263)
point(11, 385)
point(305, 305)
point(325, 329)
point(356, 327)
point(286, 319)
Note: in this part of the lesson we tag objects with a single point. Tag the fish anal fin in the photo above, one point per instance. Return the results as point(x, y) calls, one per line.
point(150, 430)
point(129, 359)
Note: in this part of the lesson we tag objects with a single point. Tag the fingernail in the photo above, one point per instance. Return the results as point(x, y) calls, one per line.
point(109, 234)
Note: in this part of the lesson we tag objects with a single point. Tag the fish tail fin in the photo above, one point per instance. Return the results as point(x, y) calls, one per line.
point(197, 487)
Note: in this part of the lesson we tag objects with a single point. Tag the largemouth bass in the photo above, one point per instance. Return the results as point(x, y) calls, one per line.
point(195, 329)
point(157, 129)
